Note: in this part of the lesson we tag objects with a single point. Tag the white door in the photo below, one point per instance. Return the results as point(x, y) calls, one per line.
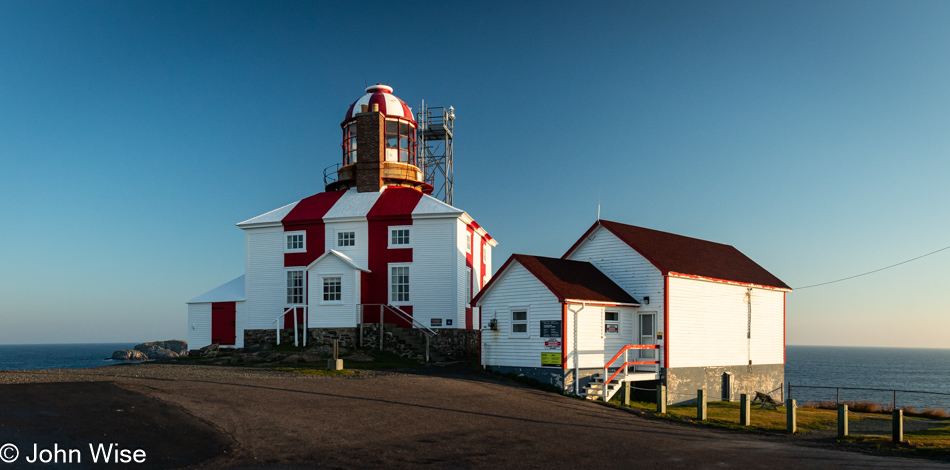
point(647, 328)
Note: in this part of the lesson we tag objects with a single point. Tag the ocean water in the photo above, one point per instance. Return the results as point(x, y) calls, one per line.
point(58, 356)
point(887, 368)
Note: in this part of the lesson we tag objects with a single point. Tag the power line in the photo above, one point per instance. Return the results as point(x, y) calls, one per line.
point(876, 270)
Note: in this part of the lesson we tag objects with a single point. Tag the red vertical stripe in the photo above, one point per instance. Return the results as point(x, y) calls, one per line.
point(469, 315)
point(564, 336)
point(394, 207)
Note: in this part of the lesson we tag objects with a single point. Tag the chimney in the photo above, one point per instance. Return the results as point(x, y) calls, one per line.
point(370, 149)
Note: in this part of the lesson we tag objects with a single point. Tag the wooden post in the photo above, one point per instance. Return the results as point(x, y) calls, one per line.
point(700, 405)
point(745, 417)
point(792, 424)
point(336, 349)
point(380, 327)
point(897, 426)
point(661, 398)
point(842, 420)
point(626, 393)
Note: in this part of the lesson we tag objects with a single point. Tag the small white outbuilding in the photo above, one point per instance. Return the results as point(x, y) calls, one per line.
point(638, 305)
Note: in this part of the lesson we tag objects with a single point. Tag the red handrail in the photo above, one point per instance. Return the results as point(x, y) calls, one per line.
point(624, 366)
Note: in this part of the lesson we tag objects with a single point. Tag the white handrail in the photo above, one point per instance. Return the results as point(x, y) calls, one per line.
point(294, 308)
point(405, 316)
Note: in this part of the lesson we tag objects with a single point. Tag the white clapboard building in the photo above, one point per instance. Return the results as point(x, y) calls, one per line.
point(639, 305)
point(374, 242)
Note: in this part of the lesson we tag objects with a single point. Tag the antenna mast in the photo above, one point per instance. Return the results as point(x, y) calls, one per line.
point(436, 126)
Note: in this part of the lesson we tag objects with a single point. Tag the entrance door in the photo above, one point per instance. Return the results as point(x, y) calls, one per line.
point(223, 330)
point(647, 327)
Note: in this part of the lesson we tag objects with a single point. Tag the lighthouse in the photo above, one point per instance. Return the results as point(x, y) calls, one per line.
point(379, 145)
point(374, 247)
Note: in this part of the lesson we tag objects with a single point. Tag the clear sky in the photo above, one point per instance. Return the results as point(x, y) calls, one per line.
point(813, 136)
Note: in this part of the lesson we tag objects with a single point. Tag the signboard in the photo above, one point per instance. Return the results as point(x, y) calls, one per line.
point(552, 343)
point(612, 328)
point(550, 328)
point(550, 359)
point(435, 322)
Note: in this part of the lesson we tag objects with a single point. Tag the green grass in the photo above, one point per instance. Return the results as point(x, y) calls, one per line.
point(726, 415)
point(323, 372)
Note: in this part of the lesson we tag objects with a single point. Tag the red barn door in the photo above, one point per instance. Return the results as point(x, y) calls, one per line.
point(222, 323)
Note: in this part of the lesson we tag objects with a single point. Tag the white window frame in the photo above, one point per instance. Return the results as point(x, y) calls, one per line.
point(339, 240)
point(303, 294)
point(389, 283)
point(468, 241)
point(323, 280)
point(287, 236)
point(469, 286)
point(618, 322)
point(392, 229)
point(526, 321)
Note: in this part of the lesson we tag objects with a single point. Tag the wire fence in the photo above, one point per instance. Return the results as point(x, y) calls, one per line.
point(891, 393)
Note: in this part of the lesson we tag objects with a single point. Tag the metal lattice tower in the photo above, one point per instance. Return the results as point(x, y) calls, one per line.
point(435, 149)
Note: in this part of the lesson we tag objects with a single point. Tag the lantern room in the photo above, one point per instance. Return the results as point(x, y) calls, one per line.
point(379, 145)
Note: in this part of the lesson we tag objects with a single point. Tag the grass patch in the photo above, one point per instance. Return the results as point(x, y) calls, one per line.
point(323, 372)
point(725, 414)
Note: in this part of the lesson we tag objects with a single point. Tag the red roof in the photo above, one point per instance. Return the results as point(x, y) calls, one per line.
point(568, 280)
point(677, 254)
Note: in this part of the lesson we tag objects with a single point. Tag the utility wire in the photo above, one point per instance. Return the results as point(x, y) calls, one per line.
point(876, 270)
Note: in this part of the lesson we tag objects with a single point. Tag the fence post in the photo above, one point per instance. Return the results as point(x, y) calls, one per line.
point(626, 393)
point(842, 420)
point(701, 405)
point(744, 410)
point(792, 424)
point(897, 427)
point(660, 398)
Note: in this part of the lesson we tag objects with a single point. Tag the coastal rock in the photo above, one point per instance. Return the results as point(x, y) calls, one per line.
point(292, 359)
point(310, 357)
point(129, 355)
point(163, 349)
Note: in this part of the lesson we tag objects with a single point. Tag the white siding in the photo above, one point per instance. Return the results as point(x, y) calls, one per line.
point(359, 253)
point(594, 346)
point(627, 268)
point(333, 315)
point(709, 324)
point(240, 316)
point(265, 278)
point(517, 289)
point(199, 325)
point(461, 249)
point(433, 283)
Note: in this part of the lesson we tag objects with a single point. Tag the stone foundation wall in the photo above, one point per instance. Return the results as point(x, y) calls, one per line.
point(448, 344)
point(682, 382)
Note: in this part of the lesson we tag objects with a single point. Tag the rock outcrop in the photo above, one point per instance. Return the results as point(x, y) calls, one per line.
point(153, 350)
point(129, 355)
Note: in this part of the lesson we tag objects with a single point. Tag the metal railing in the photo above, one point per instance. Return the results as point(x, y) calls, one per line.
point(627, 363)
point(401, 314)
point(330, 174)
point(306, 318)
point(839, 389)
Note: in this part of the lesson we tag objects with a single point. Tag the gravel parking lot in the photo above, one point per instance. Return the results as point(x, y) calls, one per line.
point(437, 419)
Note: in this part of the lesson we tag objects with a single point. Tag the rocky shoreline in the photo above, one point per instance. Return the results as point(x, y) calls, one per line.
point(152, 351)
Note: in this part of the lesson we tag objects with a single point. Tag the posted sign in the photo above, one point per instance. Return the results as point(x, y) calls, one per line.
point(550, 359)
point(550, 328)
point(552, 343)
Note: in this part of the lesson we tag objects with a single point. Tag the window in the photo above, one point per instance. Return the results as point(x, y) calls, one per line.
point(612, 323)
point(399, 284)
point(294, 287)
point(468, 242)
point(400, 142)
point(399, 237)
point(349, 144)
point(519, 323)
point(468, 286)
point(346, 239)
point(332, 289)
point(296, 242)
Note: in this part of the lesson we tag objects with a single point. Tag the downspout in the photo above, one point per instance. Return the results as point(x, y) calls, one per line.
point(748, 297)
point(577, 362)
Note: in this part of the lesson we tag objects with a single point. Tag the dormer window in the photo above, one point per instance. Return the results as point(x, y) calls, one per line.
point(345, 239)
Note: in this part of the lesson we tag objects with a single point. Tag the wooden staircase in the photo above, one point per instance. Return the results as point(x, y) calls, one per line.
point(595, 389)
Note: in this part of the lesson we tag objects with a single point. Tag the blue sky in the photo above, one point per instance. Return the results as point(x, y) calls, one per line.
point(810, 135)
